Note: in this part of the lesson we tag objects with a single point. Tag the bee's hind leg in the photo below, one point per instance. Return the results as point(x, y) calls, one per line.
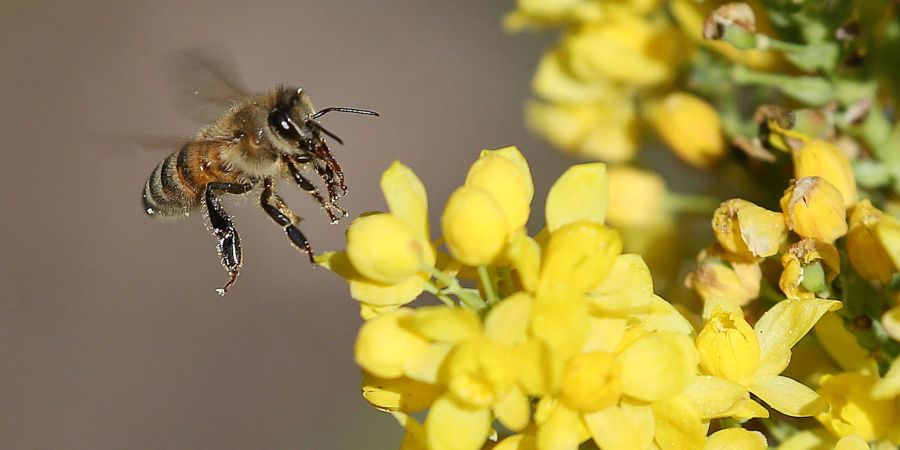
point(222, 226)
point(275, 207)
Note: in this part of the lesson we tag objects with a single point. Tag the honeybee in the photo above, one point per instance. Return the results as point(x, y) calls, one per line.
point(257, 141)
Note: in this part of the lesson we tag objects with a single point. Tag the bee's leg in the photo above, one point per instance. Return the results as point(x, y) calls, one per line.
point(310, 188)
point(332, 168)
point(283, 216)
point(222, 226)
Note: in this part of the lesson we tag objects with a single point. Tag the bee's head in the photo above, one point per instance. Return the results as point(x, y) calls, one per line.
point(289, 120)
point(293, 121)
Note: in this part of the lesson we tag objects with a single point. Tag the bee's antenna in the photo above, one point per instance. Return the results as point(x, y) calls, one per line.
point(364, 112)
point(324, 130)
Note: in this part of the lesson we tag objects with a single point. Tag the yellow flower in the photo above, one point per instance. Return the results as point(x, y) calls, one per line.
point(853, 410)
point(865, 250)
point(644, 52)
point(606, 130)
point(689, 126)
point(730, 350)
point(747, 230)
point(814, 209)
point(635, 197)
point(495, 201)
point(384, 248)
point(823, 159)
point(809, 268)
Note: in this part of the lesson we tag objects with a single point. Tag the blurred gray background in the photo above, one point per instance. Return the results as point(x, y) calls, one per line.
point(111, 335)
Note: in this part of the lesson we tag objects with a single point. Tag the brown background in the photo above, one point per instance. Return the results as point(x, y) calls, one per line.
point(111, 335)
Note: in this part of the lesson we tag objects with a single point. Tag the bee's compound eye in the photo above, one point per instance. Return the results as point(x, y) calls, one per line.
point(280, 121)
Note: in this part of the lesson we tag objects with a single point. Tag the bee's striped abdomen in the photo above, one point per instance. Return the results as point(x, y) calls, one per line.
point(171, 189)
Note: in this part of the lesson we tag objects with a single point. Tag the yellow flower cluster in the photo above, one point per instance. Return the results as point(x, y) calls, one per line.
point(616, 67)
point(549, 341)
point(820, 207)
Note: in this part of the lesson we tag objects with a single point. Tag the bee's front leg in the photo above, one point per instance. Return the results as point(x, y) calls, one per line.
point(222, 226)
point(275, 207)
point(310, 188)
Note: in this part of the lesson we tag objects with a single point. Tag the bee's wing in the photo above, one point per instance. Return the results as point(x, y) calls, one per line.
point(205, 83)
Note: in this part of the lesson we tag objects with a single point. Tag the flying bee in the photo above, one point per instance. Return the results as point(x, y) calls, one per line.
point(259, 140)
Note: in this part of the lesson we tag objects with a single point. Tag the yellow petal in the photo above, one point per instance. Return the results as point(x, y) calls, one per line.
point(658, 366)
point(643, 51)
point(445, 420)
point(823, 159)
point(788, 396)
point(390, 295)
point(505, 182)
point(635, 197)
point(579, 255)
point(678, 425)
point(560, 430)
point(426, 367)
point(612, 429)
point(580, 194)
point(386, 344)
point(406, 198)
point(627, 289)
point(606, 130)
point(375, 295)
point(554, 83)
point(663, 316)
point(604, 334)
point(714, 397)
point(748, 230)
point(414, 435)
point(690, 126)
point(474, 226)
point(865, 250)
point(383, 248)
point(513, 409)
point(814, 209)
point(889, 386)
point(517, 442)
point(736, 439)
point(446, 324)
point(507, 322)
point(852, 442)
point(525, 255)
point(728, 348)
point(788, 321)
point(891, 322)
point(840, 343)
point(591, 381)
point(559, 319)
point(399, 394)
point(888, 232)
point(513, 154)
point(853, 409)
point(818, 439)
point(796, 281)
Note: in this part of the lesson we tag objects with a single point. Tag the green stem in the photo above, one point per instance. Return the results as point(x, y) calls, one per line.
point(465, 296)
point(487, 284)
point(432, 289)
point(687, 203)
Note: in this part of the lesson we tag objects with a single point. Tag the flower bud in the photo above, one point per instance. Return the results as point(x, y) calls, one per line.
point(865, 250)
point(747, 230)
point(382, 247)
point(580, 255)
point(503, 180)
point(809, 267)
point(814, 209)
point(720, 276)
point(823, 159)
point(690, 126)
point(635, 197)
point(474, 226)
point(591, 381)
